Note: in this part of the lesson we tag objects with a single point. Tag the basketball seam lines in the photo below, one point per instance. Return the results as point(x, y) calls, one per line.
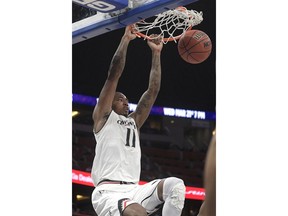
point(186, 51)
point(190, 39)
point(193, 45)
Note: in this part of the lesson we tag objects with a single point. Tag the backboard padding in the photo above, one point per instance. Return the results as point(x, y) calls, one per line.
point(102, 23)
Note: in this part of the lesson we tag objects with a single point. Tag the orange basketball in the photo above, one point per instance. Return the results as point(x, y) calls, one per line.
point(194, 46)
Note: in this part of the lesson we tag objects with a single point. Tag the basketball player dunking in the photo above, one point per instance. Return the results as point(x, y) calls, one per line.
point(116, 166)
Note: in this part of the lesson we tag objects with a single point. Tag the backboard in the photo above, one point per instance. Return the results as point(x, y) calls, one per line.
point(114, 14)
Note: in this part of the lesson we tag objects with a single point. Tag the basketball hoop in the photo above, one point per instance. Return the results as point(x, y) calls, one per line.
point(170, 24)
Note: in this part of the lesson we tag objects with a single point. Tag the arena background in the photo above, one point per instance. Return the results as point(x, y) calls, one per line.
point(36, 108)
point(171, 145)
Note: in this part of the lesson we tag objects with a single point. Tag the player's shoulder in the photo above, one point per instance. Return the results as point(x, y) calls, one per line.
point(132, 115)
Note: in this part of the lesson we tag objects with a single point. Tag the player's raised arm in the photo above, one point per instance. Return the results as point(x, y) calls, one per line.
point(104, 105)
point(148, 98)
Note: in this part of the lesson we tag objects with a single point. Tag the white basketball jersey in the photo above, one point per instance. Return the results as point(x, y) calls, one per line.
point(117, 153)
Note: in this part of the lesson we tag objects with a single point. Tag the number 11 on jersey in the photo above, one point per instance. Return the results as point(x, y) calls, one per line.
point(130, 140)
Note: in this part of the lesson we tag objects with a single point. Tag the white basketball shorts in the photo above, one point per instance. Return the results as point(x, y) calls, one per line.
point(112, 199)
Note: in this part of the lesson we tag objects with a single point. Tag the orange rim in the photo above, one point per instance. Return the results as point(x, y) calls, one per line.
point(139, 34)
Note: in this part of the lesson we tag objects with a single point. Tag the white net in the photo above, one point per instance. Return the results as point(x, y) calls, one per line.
point(170, 25)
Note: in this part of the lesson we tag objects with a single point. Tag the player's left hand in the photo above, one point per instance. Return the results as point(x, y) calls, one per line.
point(129, 32)
point(155, 42)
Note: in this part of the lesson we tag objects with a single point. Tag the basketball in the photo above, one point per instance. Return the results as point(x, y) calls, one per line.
point(194, 46)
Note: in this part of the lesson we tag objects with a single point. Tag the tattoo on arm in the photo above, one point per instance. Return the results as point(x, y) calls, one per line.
point(119, 59)
point(144, 103)
point(116, 67)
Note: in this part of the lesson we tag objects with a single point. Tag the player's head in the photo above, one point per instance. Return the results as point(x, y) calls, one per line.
point(120, 104)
